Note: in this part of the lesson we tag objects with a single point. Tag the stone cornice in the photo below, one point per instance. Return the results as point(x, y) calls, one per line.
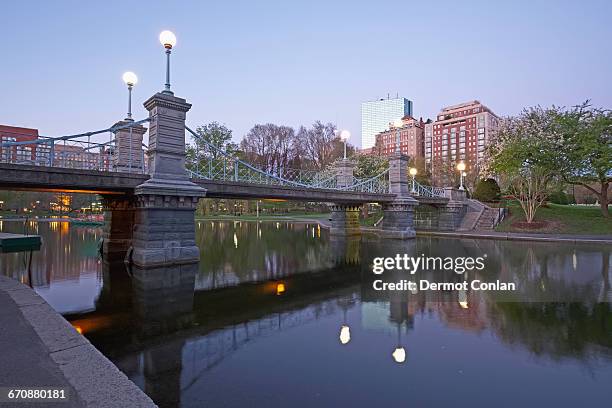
point(167, 101)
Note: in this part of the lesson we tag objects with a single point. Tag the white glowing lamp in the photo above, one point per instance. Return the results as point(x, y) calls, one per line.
point(399, 355)
point(167, 39)
point(345, 135)
point(413, 171)
point(130, 78)
point(345, 334)
point(461, 166)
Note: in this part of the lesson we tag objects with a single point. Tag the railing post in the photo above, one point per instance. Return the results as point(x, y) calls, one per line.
point(235, 170)
point(125, 158)
point(52, 153)
point(344, 173)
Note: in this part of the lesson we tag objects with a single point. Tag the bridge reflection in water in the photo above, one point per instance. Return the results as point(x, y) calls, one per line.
point(268, 322)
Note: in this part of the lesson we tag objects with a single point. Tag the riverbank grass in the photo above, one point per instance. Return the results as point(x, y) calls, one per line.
point(559, 219)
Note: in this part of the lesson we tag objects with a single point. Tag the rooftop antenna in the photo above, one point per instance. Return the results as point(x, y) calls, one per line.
point(396, 95)
point(387, 95)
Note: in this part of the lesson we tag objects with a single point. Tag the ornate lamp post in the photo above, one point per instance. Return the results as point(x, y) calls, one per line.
point(344, 136)
point(398, 123)
point(168, 40)
point(461, 168)
point(130, 80)
point(413, 173)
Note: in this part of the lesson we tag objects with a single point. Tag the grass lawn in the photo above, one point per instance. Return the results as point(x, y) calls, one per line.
point(560, 219)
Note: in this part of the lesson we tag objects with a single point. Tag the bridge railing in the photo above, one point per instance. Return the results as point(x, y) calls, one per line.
point(427, 191)
point(71, 151)
point(225, 167)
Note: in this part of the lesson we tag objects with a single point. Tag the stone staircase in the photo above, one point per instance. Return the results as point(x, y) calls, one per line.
point(486, 221)
point(478, 217)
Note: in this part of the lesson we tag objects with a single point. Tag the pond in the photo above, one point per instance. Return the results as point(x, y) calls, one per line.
point(284, 315)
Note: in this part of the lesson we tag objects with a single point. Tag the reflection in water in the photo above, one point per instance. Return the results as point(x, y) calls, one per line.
point(285, 315)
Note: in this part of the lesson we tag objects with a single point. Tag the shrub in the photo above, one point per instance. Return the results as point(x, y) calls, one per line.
point(559, 197)
point(487, 190)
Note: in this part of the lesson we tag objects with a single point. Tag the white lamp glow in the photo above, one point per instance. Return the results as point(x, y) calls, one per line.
point(345, 135)
point(399, 355)
point(345, 334)
point(167, 39)
point(461, 166)
point(130, 78)
point(413, 171)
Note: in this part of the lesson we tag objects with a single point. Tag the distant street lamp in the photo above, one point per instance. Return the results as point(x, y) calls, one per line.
point(130, 80)
point(413, 173)
point(344, 136)
point(345, 334)
point(461, 168)
point(168, 40)
point(398, 123)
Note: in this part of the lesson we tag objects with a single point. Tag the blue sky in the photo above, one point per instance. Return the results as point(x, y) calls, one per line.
point(293, 62)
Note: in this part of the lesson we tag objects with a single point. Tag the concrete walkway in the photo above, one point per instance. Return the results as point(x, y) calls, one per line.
point(521, 236)
point(39, 348)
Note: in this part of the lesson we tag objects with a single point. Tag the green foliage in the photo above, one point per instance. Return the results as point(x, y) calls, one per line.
point(370, 165)
point(525, 153)
point(487, 190)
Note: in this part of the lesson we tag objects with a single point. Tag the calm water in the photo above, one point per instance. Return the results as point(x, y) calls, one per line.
point(263, 325)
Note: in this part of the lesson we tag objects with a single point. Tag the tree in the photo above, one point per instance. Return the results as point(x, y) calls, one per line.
point(585, 150)
point(319, 145)
point(525, 153)
point(270, 147)
point(369, 166)
point(208, 144)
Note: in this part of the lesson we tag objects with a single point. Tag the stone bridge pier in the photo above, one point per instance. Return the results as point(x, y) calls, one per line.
point(398, 215)
point(344, 216)
point(157, 222)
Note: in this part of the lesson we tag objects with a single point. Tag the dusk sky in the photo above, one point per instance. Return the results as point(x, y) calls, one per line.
point(291, 63)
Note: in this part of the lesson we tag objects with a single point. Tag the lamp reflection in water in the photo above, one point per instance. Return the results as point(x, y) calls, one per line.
point(345, 330)
point(399, 354)
point(462, 298)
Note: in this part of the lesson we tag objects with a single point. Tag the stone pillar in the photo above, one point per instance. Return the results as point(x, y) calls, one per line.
point(344, 220)
point(454, 194)
point(398, 215)
point(128, 156)
point(164, 226)
point(398, 218)
point(451, 215)
point(399, 183)
point(118, 224)
point(344, 173)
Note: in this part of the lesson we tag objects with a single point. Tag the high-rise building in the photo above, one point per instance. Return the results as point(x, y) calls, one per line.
point(460, 133)
point(376, 115)
point(411, 138)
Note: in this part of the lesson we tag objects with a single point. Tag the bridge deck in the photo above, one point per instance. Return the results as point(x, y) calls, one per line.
point(38, 178)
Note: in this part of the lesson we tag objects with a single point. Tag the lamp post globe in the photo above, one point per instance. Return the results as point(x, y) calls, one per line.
point(344, 136)
point(413, 173)
point(130, 79)
point(168, 40)
point(461, 168)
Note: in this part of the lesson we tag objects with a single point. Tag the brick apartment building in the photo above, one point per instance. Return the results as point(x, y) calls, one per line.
point(411, 138)
point(21, 153)
point(460, 133)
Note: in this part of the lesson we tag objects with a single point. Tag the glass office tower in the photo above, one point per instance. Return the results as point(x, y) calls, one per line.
point(376, 115)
